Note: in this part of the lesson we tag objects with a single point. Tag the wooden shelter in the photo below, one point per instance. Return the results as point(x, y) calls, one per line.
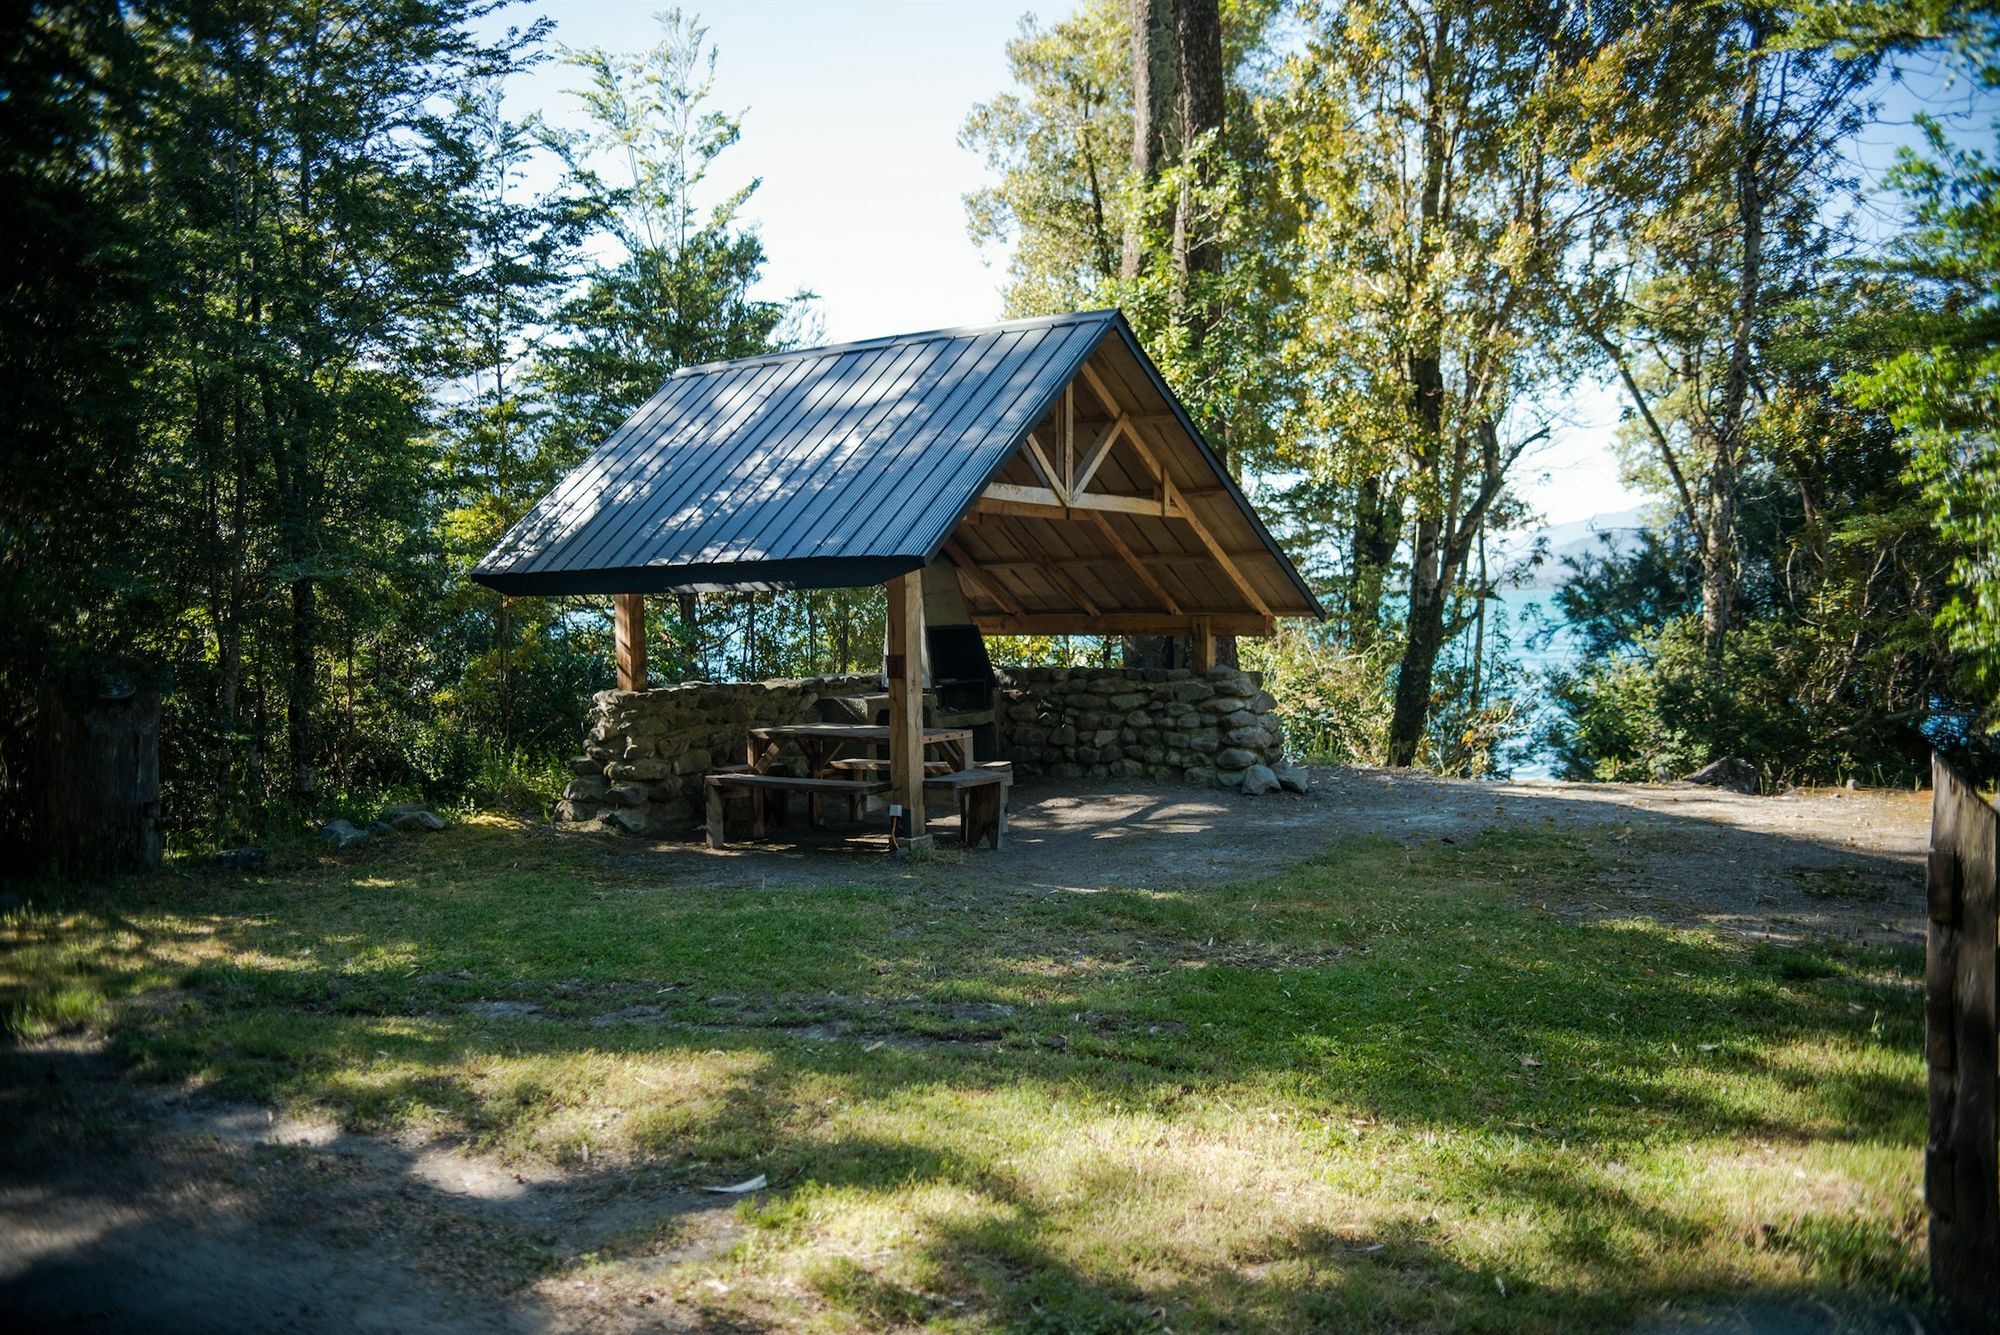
point(1046, 460)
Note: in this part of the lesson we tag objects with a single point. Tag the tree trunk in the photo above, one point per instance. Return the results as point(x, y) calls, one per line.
point(1425, 624)
point(300, 690)
point(1178, 95)
point(1428, 569)
point(1155, 95)
point(1479, 629)
point(1424, 638)
point(1718, 555)
point(1377, 521)
point(1198, 59)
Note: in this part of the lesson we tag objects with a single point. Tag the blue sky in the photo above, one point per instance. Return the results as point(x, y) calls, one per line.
point(851, 110)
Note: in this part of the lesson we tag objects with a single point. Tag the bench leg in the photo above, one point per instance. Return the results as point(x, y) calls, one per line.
point(758, 802)
point(715, 815)
point(816, 810)
point(979, 815)
point(996, 814)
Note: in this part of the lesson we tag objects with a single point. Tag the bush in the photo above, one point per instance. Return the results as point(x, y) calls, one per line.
point(1333, 701)
point(1665, 708)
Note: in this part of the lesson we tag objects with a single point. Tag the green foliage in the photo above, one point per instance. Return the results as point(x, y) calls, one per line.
point(291, 290)
point(1939, 381)
point(1835, 668)
point(1333, 701)
point(1666, 709)
point(677, 292)
point(1061, 148)
point(293, 340)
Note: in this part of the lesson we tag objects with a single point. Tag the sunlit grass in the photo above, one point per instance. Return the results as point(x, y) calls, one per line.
point(1378, 1089)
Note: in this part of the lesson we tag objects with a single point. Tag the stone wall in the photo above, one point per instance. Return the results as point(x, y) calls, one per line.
point(1160, 723)
point(645, 751)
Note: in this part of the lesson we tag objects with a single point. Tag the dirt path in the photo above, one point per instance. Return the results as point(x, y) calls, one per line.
point(125, 1209)
point(1823, 863)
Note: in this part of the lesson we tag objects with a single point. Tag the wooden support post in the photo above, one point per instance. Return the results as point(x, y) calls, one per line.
point(1069, 438)
point(1962, 1050)
point(629, 626)
point(1201, 645)
point(906, 700)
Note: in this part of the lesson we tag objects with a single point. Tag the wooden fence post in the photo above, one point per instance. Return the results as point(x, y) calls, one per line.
point(1962, 1051)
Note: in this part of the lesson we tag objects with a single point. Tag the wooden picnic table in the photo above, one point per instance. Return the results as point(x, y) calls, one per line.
point(979, 792)
point(822, 743)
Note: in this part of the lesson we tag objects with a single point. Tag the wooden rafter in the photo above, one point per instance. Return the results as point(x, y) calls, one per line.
point(971, 570)
point(1045, 469)
point(1059, 577)
point(1005, 498)
point(1134, 564)
point(1099, 450)
point(1119, 623)
point(1229, 567)
point(1069, 439)
point(1171, 510)
point(1048, 568)
point(1157, 560)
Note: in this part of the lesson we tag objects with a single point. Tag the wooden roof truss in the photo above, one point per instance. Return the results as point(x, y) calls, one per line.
point(1109, 520)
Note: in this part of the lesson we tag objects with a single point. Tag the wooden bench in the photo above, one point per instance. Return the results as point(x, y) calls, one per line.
point(982, 802)
point(863, 765)
point(723, 786)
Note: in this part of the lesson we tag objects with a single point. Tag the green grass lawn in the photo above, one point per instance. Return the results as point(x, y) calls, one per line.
point(1383, 1088)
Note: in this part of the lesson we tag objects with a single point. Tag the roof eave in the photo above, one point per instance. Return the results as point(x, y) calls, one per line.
point(810, 572)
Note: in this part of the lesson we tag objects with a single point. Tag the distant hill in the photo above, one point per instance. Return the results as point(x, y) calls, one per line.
point(1574, 538)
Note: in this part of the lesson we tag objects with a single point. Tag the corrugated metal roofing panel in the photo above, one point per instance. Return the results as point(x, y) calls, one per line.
point(830, 466)
point(825, 467)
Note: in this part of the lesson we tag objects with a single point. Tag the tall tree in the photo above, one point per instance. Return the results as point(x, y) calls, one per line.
point(1059, 149)
point(78, 313)
point(1937, 376)
point(499, 453)
point(678, 289)
point(1441, 229)
point(1726, 178)
point(327, 133)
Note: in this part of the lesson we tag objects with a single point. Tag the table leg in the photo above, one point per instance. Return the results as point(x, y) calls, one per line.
point(715, 815)
point(817, 758)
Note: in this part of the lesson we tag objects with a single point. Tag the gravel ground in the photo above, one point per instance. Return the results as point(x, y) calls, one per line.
point(1817, 863)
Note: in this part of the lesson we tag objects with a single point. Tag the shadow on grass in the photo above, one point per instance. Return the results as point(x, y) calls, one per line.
point(489, 988)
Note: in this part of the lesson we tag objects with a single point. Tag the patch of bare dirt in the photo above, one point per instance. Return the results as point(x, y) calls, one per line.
point(121, 1210)
point(1828, 863)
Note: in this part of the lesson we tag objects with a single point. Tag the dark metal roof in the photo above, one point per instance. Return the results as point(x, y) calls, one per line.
point(826, 467)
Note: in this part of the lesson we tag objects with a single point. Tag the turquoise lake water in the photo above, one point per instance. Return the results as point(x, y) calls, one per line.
point(1538, 641)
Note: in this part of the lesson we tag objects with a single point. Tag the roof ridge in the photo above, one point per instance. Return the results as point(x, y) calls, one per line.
point(1103, 315)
